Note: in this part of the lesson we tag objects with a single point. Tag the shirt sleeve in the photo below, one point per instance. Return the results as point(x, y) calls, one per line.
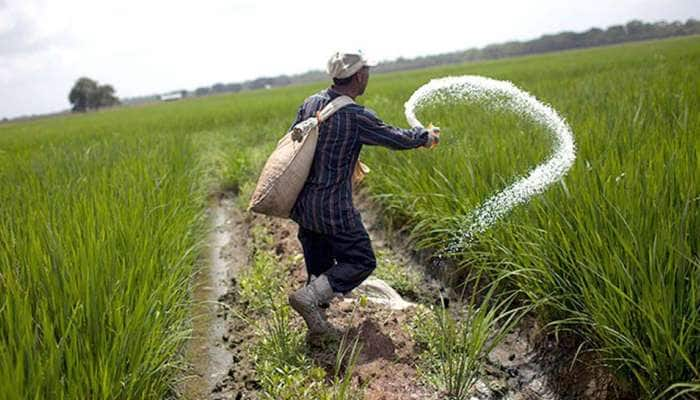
point(374, 131)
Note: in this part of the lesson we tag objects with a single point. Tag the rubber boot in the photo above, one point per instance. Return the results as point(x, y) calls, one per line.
point(305, 301)
point(324, 305)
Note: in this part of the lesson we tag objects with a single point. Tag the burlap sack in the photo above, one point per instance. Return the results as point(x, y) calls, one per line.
point(287, 168)
point(358, 174)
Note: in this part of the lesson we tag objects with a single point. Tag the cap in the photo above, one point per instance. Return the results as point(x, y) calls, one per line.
point(344, 65)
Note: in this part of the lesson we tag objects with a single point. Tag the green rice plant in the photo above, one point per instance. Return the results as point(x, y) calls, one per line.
point(282, 366)
point(404, 280)
point(96, 268)
point(260, 288)
point(102, 222)
point(455, 349)
point(680, 391)
point(345, 362)
point(286, 372)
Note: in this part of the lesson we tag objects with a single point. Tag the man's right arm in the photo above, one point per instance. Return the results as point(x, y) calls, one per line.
point(374, 131)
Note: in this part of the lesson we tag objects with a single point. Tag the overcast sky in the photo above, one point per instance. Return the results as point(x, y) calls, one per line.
point(151, 46)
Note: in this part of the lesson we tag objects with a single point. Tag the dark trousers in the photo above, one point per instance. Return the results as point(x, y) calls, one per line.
point(346, 258)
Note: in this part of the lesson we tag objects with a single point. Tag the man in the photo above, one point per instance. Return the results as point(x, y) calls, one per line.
point(337, 248)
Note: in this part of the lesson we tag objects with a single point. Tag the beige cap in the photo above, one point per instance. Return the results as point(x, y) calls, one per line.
point(344, 65)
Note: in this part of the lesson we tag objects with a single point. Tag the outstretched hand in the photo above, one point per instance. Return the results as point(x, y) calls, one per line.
point(433, 136)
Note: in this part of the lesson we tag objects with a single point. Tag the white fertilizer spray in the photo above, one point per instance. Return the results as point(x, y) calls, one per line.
point(501, 95)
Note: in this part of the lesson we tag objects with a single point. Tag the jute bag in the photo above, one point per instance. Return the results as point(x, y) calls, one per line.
point(287, 168)
point(361, 169)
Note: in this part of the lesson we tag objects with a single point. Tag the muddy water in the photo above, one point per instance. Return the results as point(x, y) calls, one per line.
point(208, 355)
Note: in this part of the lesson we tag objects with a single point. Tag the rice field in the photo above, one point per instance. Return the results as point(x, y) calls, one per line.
point(102, 216)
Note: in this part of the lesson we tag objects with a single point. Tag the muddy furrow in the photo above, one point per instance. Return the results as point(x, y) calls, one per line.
point(527, 364)
point(530, 363)
point(209, 357)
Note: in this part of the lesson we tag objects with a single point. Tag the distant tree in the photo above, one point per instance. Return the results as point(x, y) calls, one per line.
point(86, 94)
point(260, 83)
point(233, 87)
point(218, 88)
point(615, 33)
point(593, 37)
point(82, 93)
point(105, 97)
point(691, 26)
point(201, 91)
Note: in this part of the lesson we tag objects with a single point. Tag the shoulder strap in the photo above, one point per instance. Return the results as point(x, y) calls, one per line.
point(335, 105)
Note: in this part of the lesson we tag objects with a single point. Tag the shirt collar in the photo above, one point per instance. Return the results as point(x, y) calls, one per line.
point(332, 93)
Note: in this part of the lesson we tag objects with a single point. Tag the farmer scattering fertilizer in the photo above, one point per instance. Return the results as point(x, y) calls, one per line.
point(337, 249)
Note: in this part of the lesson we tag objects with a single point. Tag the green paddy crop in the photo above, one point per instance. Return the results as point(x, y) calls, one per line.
point(102, 216)
point(612, 250)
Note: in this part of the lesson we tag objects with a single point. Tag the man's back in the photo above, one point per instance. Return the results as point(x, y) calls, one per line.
point(325, 203)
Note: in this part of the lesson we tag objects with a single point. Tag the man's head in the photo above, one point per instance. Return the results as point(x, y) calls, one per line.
point(350, 71)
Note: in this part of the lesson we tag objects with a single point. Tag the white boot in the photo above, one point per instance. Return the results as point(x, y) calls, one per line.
point(305, 301)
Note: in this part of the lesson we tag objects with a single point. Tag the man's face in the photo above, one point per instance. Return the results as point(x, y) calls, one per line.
point(363, 79)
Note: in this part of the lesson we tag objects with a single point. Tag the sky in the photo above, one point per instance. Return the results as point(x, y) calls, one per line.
point(144, 47)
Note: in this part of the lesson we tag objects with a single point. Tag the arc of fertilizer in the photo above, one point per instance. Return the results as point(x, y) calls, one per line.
point(501, 95)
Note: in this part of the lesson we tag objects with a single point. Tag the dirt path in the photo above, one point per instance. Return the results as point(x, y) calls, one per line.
point(526, 365)
point(386, 364)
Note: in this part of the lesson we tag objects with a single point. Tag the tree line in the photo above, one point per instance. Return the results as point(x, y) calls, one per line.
point(632, 31)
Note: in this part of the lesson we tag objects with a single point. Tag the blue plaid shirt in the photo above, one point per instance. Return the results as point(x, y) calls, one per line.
point(325, 202)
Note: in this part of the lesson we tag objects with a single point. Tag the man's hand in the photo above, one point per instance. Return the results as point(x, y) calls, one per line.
point(433, 136)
